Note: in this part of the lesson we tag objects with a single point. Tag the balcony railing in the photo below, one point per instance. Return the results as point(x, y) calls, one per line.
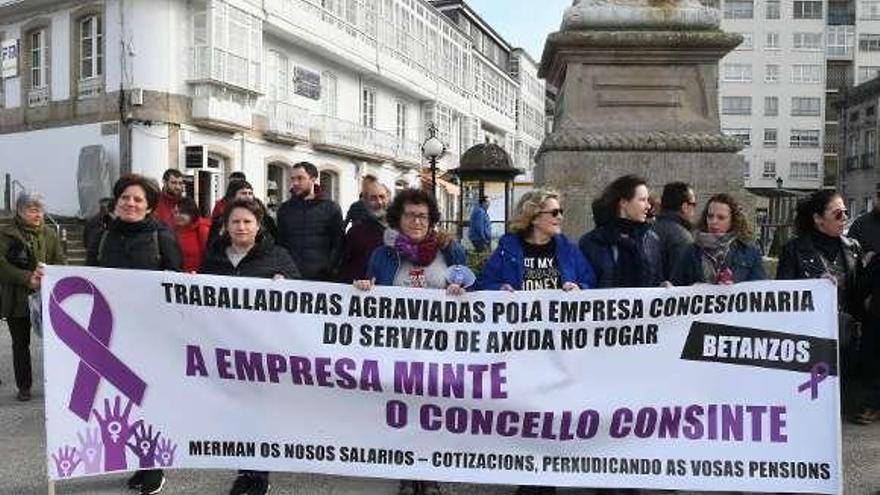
point(288, 122)
point(409, 152)
point(38, 97)
point(350, 137)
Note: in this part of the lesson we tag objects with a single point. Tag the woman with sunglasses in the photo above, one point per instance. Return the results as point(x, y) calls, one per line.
point(623, 249)
point(535, 255)
point(723, 251)
point(820, 250)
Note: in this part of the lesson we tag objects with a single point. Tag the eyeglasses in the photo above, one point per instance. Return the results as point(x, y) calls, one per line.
point(556, 212)
point(840, 214)
point(691, 203)
point(413, 217)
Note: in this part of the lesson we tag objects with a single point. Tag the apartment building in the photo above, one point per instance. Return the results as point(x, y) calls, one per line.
point(92, 89)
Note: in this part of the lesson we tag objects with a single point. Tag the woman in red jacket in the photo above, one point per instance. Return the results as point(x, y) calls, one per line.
point(192, 234)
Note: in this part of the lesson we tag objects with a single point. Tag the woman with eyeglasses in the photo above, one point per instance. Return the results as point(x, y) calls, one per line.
point(820, 250)
point(535, 255)
point(623, 249)
point(415, 254)
point(723, 251)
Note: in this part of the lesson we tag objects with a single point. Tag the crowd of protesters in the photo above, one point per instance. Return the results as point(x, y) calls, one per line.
point(394, 240)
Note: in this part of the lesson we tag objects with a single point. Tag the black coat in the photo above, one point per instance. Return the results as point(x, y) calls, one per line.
point(264, 260)
point(144, 245)
point(602, 251)
point(866, 230)
point(311, 231)
point(675, 237)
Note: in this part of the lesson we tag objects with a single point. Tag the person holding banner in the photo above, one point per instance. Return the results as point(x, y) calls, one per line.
point(245, 251)
point(820, 250)
point(135, 240)
point(25, 246)
point(723, 251)
point(535, 255)
point(415, 254)
point(623, 249)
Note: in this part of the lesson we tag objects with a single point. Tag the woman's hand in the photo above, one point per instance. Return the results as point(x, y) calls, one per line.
point(278, 276)
point(364, 285)
point(570, 286)
point(37, 276)
point(507, 287)
point(454, 290)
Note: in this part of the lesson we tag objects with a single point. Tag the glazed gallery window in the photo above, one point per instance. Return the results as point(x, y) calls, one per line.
point(39, 59)
point(91, 47)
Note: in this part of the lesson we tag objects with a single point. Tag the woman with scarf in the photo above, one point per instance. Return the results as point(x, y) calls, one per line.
point(623, 249)
point(723, 251)
point(416, 255)
point(25, 245)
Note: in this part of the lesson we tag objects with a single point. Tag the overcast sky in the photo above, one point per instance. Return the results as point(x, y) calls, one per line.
point(523, 23)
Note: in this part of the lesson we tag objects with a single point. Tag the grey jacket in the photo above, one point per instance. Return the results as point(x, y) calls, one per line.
point(675, 236)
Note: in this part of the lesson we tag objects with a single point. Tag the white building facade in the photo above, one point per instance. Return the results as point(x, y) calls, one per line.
point(215, 86)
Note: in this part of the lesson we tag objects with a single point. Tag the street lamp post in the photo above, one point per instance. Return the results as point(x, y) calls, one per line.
point(432, 149)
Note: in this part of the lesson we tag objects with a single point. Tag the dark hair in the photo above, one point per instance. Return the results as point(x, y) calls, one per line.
point(151, 189)
point(310, 168)
point(739, 223)
point(412, 197)
point(814, 204)
point(249, 205)
point(675, 194)
point(605, 206)
point(188, 206)
point(237, 185)
point(171, 172)
point(237, 176)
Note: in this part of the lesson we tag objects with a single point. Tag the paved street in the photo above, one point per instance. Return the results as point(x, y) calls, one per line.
point(23, 470)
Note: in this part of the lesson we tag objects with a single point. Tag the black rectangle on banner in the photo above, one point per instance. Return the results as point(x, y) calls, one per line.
point(718, 343)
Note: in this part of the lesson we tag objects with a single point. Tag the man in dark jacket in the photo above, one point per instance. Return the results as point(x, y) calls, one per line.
point(366, 235)
point(310, 226)
point(678, 208)
point(359, 209)
point(866, 228)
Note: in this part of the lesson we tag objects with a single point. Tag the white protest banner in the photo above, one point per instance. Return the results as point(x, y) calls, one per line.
point(703, 388)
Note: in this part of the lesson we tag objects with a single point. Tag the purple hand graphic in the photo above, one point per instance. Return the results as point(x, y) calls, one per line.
point(165, 453)
point(91, 450)
point(144, 446)
point(115, 432)
point(66, 461)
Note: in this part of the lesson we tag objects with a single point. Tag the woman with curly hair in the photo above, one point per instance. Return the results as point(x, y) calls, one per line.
point(723, 251)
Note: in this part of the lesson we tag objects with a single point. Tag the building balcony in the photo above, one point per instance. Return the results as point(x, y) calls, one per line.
point(38, 97)
point(217, 107)
point(353, 139)
point(287, 123)
point(840, 41)
point(409, 153)
point(867, 160)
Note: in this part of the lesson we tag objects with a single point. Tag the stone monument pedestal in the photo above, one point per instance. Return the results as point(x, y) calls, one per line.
point(640, 101)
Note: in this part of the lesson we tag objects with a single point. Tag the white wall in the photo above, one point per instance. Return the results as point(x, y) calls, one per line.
point(46, 161)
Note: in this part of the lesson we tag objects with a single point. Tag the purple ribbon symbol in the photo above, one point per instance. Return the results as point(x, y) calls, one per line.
point(818, 374)
point(91, 345)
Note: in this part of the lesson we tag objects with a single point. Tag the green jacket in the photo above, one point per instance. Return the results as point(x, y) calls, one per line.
point(20, 251)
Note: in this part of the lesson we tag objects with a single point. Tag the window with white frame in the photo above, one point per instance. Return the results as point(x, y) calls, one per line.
point(738, 73)
point(807, 9)
point(772, 9)
point(801, 106)
point(229, 48)
point(771, 41)
point(91, 47)
point(869, 42)
point(368, 107)
point(806, 74)
point(870, 141)
point(771, 137)
point(807, 41)
point(867, 72)
point(401, 120)
point(771, 73)
point(804, 138)
point(771, 106)
point(769, 171)
point(277, 75)
point(743, 134)
point(329, 94)
point(839, 40)
point(869, 9)
point(804, 170)
point(747, 42)
point(38, 59)
point(736, 105)
point(739, 9)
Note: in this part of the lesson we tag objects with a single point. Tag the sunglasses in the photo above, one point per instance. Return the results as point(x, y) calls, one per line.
point(556, 212)
point(840, 214)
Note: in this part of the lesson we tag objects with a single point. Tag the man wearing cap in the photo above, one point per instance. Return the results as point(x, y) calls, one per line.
point(480, 229)
point(866, 228)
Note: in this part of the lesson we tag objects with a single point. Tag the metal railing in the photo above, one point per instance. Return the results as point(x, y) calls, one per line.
point(12, 189)
point(289, 120)
point(350, 136)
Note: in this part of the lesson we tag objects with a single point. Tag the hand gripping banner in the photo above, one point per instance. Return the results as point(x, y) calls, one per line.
point(92, 346)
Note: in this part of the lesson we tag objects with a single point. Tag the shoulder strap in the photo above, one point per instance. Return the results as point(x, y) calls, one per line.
point(101, 246)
